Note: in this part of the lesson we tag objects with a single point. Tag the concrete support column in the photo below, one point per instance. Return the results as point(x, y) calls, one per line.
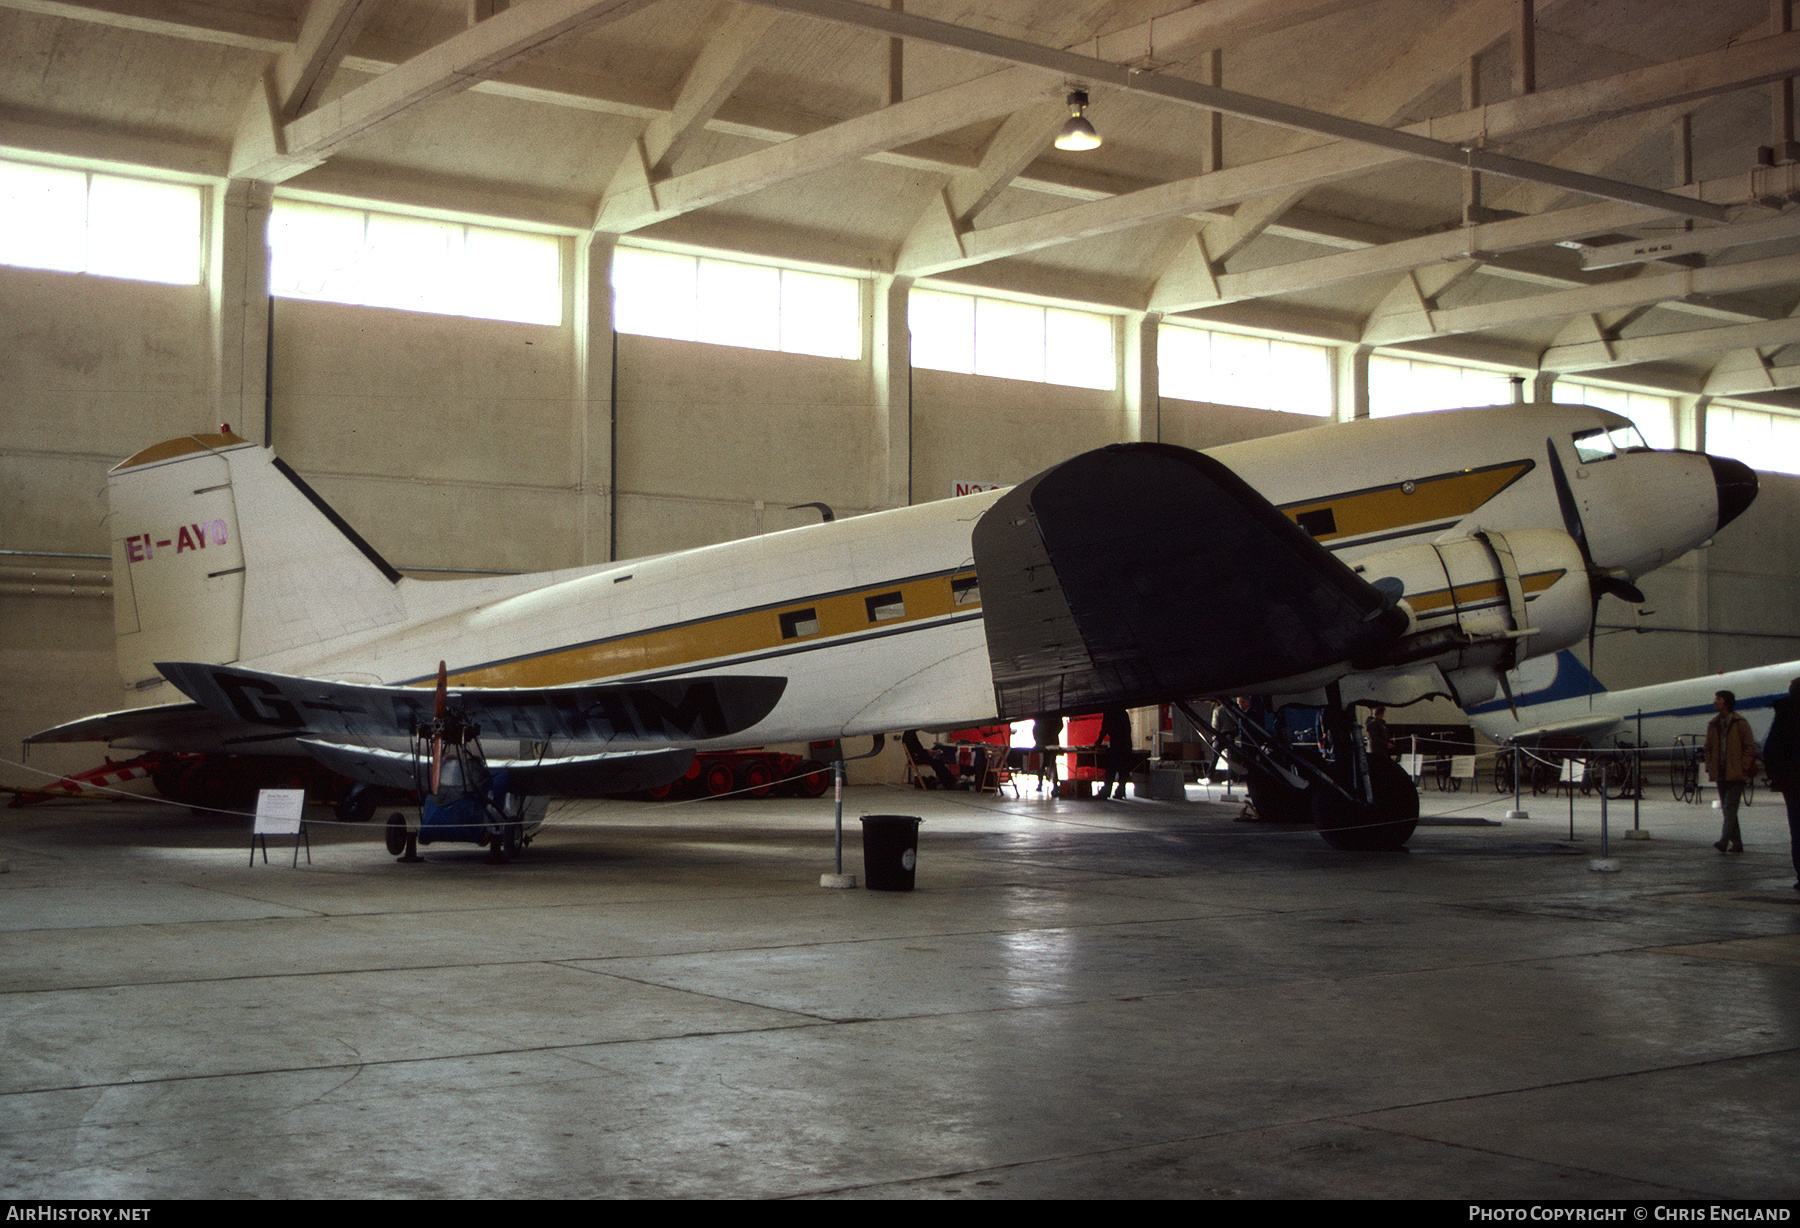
point(890, 421)
point(592, 417)
point(238, 296)
point(1688, 433)
point(1350, 382)
point(1142, 400)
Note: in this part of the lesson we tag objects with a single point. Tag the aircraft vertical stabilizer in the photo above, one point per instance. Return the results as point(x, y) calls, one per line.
point(196, 580)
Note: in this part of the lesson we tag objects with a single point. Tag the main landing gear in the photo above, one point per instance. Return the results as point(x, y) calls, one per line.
point(1357, 803)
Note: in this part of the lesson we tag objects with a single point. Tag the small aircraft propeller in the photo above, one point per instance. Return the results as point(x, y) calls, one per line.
point(1600, 581)
point(439, 709)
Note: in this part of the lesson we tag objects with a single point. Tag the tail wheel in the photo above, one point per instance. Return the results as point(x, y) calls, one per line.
point(756, 778)
point(1381, 826)
point(716, 778)
point(396, 834)
point(357, 806)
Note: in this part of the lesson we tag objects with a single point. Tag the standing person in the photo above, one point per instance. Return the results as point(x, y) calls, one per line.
point(1730, 761)
point(1115, 731)
point(1781, 755)
point(1046, 735)
point(1381, 746)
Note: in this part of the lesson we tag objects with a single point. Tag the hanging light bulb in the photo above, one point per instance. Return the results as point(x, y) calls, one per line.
point(1077, 133)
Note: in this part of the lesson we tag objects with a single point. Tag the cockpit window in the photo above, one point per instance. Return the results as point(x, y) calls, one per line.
point(1603, 443)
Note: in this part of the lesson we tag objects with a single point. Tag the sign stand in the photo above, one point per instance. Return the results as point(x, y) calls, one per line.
point(280, 812)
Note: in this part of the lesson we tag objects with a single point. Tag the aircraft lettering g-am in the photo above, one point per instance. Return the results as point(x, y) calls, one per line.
point(1378, 561)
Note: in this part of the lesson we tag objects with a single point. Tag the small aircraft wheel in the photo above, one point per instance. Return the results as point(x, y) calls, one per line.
point(717, 778)
point(1383, 826)
point(396, 834)
point(358, 806)
point(1275, 800)
point(510, 842)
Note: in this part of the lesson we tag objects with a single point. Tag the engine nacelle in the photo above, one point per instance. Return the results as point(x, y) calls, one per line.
point(1478, 605)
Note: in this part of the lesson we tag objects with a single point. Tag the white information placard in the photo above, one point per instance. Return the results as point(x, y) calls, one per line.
point(278, 811)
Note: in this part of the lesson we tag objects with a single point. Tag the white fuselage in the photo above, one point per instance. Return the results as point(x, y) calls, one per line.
point(874, 621)
point(1659, 717)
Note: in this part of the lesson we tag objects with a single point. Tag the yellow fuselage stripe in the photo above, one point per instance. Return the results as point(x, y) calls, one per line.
point(1448, 496)
point(736, 634)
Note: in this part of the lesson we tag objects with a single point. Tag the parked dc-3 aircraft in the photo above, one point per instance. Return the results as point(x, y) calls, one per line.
point(1557, 697)
point(1376, 562)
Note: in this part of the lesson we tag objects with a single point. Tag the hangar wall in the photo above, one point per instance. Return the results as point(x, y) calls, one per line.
point(456, 443)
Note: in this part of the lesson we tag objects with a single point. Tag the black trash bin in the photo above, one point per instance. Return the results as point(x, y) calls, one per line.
point(890, 851)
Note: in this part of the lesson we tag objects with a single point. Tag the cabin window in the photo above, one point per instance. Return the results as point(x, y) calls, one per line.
point(886, 607)
point(965, 590)
point(1320, 522)
point(798, 623)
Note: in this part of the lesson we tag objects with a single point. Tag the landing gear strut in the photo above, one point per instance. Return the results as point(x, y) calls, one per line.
point(1357, 803)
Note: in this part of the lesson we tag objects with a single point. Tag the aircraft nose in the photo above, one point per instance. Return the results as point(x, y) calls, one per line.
point(1736, 484)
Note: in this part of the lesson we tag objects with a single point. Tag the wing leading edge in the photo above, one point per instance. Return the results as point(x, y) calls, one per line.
point(1140, 573)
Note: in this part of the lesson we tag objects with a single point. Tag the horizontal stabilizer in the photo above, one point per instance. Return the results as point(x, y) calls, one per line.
point(1141, 573)
point(584, 776)
point(669, 710)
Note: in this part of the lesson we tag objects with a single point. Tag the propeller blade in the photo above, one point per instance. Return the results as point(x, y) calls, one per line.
point(438, 708)
point(1624, 590)
point(1571, 510)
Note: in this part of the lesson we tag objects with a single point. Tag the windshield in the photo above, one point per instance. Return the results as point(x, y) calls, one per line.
point(1603, 443)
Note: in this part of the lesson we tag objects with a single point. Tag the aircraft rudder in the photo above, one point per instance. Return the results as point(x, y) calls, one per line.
point(222, 553)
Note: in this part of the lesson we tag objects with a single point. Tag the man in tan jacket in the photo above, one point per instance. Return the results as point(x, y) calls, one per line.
point(1730, 761)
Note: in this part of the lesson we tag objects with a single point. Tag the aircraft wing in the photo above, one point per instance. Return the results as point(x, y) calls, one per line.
point(583, 776)
point(655, 712)
point(172, 727)
point(1144, 572)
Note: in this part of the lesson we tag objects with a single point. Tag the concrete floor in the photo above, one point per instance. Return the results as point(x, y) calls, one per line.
point(1081, 999)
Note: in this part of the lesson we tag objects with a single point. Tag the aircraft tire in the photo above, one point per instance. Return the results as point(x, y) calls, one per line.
point(1383, 826)
point(396, 834)
point(357, 806)
point(1275, 800)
